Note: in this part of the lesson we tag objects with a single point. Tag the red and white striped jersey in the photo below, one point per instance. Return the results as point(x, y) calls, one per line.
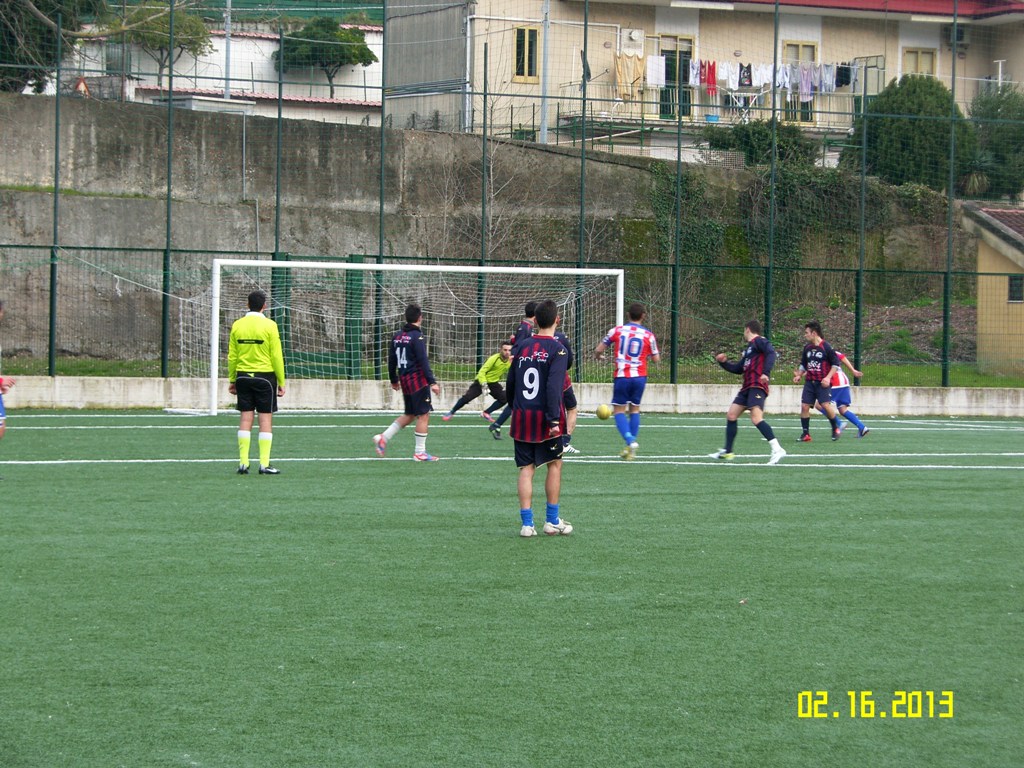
point(633, 344)
point(838, 377)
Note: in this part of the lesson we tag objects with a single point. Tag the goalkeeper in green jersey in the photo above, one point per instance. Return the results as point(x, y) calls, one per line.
point(491, 375)
point(256, 376)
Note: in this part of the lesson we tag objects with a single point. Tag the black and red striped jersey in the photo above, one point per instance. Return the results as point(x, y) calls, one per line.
point(535, 383)
point(817, 360)
point(522, 332)
point(758, 358)
point(407, 360)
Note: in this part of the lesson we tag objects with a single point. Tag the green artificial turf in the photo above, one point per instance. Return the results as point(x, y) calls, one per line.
point(161, 610)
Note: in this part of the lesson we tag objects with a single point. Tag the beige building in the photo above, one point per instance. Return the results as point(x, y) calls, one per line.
point(655, 62)
point(1000, 233)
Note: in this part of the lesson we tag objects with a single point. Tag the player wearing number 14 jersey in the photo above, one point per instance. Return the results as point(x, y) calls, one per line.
point(409, 370)
point(633, 345)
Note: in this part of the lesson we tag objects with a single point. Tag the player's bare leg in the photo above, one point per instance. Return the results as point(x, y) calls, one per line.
point(525, 488)
point(554, 525)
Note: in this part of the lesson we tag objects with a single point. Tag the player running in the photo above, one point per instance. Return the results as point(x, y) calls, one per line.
point(634, 345)
point(841, 394)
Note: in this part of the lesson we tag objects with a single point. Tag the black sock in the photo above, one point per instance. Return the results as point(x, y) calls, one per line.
point(766, 430)
point(731, 428)
point(805, 425)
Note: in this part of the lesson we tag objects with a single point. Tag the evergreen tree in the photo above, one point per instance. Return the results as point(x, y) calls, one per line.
point(908, 134)
point(998, 116)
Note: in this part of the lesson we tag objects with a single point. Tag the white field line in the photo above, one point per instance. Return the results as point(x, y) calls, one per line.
point(697, 461)
point(887, 425)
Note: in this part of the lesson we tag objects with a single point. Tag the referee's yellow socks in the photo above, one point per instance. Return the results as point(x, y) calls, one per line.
point(244, 438)
point(266, 439)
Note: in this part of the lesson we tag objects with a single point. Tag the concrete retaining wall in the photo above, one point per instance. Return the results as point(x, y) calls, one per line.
point(125, 392)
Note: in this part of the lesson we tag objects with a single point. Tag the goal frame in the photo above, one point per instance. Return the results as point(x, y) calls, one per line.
point(219, 264)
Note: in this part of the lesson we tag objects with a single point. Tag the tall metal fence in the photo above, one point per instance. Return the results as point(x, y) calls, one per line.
point(886, 207)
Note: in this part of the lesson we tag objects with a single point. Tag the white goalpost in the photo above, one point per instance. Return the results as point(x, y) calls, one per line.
point(336, 317)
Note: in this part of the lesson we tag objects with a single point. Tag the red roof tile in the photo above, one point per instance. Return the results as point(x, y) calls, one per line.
point(1011, 218)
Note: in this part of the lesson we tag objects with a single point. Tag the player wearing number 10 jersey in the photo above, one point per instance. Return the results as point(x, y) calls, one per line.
point(633, 345)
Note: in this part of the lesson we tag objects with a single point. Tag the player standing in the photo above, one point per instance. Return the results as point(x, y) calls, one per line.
point(535, 386)
point(409, 370)
point(492, 374)
point(755, 365)
point(568, 394)
point(256, 376)
point(816, 364)
point(633, 344)
point(523, 331)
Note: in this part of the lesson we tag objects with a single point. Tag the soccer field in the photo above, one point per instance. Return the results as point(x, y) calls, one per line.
point(160, 610)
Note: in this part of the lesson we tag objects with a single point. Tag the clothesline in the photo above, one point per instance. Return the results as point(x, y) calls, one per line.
point(802, 80)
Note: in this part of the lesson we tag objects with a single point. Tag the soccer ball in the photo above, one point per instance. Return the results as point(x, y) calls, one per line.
point(604, 411)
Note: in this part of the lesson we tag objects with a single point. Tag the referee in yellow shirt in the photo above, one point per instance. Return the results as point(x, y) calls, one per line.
point(256, 376)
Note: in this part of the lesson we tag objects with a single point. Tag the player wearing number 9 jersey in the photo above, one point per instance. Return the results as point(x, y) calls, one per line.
point(535, 384)
point(633, 345)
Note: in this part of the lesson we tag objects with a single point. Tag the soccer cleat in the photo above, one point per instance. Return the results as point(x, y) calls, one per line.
point(486, 416)
point(836, 433)
point(570, 449)
point(634, 447)
point(269, 470)
point(804, 438)
point(243, 469)
point(447, 416)
point(842, 426)
point(424, 457)
point(722, 454)
point(561, 528)
point(495, 432)
point(777, 456)
point(863, 432)
point(380, 445)
point(527, 531)
point(625, 454)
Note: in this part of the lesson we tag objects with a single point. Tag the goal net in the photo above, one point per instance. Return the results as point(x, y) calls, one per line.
point(336, 318)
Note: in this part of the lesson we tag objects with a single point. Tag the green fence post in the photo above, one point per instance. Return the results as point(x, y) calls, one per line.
point(165, 303)
point(51, 358)
point(676, 264)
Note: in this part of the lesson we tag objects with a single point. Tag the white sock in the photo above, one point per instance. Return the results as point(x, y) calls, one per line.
point(421, 442)
point(774, 443)
point(392, 430)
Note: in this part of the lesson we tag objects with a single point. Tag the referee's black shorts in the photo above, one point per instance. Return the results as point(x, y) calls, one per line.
point(256, 392)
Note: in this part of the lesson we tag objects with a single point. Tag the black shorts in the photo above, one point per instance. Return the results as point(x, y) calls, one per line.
point(497, 392)
point(569, 399)
point(256, 392)
point(494, 388)
point(418, 402)
point(538, 454)
point(752, 397)
point(815, 392)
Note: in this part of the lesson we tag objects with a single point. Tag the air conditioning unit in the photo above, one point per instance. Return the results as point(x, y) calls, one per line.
point(960, 39)
point(631, 42)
